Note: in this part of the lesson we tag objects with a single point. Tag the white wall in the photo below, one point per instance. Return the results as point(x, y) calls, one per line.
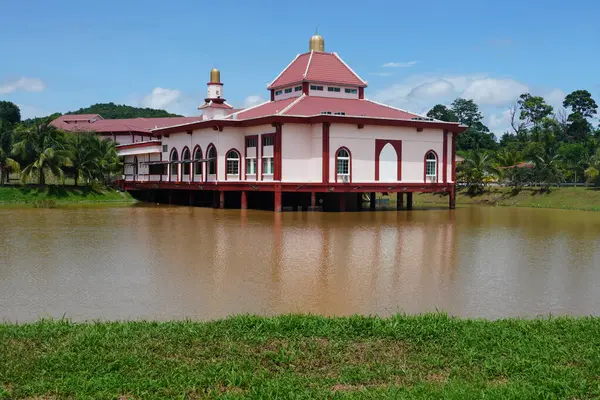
point(285, 95)
point(297, 154)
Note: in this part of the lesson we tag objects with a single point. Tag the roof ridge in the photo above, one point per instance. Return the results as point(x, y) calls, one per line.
point(285, 69)
point(393, 108)
point(351, 70)
point(307, 65)
point(292, 104)
point(248, 109)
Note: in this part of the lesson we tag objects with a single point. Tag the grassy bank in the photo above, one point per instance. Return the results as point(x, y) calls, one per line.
point(50, 195)
point(429, 356)
point(587, 199)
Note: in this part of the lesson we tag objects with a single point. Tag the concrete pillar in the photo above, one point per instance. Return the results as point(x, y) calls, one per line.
point(215, 202)
point(244, 200)
point(342, 202)
point(169, 197)
point(452, 199)
point(399, 201)
point(313, 200)
point(372, 204)
point(277, 202)
point(359, 197)
point(191, 198)
point(409, 201)
point(221, 200)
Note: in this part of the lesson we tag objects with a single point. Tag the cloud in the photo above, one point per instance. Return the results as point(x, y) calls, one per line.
point(400, 64)
point(253, 100)
point(490, 91)
point(31, 111)
point(162, 98)
point(432, 90)
point(23, 83)
point(499, 121)
point(380, 73)
point(555, 98)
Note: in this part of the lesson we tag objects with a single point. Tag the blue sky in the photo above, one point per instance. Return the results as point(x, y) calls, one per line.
point(63, 55)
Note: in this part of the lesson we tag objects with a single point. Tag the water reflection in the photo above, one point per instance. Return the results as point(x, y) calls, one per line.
point(182, 262)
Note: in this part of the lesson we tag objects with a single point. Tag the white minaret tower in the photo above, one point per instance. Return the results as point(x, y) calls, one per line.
point(214, 104)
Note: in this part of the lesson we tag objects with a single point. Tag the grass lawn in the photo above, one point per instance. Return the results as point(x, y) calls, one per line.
point(422, 357)
point(59, 194)
point(587, 199)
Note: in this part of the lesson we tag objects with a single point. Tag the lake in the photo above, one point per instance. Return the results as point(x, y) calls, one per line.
point(164, 263)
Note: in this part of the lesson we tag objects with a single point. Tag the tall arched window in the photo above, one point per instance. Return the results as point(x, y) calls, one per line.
point(212, 160)
point(431, 166)
point(343, 167)
point(185, 155)
point(198, 165)
point(233, 163)
point(174, 157)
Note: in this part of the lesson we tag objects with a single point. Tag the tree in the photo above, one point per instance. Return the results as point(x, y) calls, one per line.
point(43, 149)
point(533, 109)
point(7, 164)
point(582, 103)
point(508, 158)
point(574, 157)
point(442, 113)
point(108, 162)
point(9, 112)
point(477, 136)
point(112, 111)
point(84, 155)
point(592, 172)
point(547, 161)
point(476, 170)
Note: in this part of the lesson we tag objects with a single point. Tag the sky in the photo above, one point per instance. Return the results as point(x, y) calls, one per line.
point(63, 55)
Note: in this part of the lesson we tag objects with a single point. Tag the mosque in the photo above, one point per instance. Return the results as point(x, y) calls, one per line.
point(319, 142)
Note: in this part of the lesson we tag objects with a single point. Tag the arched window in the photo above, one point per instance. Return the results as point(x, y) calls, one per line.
point(233, 163)
point(212, 160)
point(430, 166)
point(185, 155)
point(174, 157)
point(343, 168)
point(198, 165)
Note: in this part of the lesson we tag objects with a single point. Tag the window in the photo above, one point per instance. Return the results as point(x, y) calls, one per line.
point(267, 165)
point(174, 157)
point(186, 156)
point(333, 89)
point(343, 162)
point(212, 163)
point(339, 113)
point(156, 169)
point(198, 165)
point(267, 140)
point(325, 112)
point(351, 91)
point(297, 88)
point(430, 165)
point(250, 142)
point(288, 90)
point(165, 148)
point(314, 87)
point(278, 92)
point(250, 166)
point(233, 163)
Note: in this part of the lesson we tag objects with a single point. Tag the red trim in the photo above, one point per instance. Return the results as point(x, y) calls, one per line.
point(272, 94)
point(246, 156)
point(445, 157)
point(453, 157)
point(197, 147)
point(262, 152)
point(437, 165)
point(216, 162)
point(349, 162)
point(305, 88)
point(361, 92)
point(277, 153)
point(138, 144)
point(214, 83)
point(325, 155)
point(277, 200)
point(183, 165)
point(244, 200)
point(239, 162)
point(397, 145)
point(170, 165)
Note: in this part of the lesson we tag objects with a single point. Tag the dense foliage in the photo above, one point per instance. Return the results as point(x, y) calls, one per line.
point(114, 111)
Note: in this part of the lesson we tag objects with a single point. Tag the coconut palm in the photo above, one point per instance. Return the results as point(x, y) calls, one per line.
point(592, 172)
point(476, 170)
point(108, 162)
point(84, 155)
point(7, 164)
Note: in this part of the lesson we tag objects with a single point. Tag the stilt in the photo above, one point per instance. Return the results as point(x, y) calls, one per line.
point(170, 197)
point(313, 200)
point(409, 201)
point(277, 207)
point(372, 204)
point(215, 201)
point(221, 200)
point(342, 202)
point(191, 198)
point(244, 200)
point(452, 198)
point(399, 201)
point(359, 198)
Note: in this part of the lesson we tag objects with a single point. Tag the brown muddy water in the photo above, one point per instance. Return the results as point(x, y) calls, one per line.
point(145, 262)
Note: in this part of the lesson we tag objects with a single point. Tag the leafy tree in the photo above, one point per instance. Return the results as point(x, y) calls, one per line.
point(466, 111)
point(113, 111)
point(476, 170)
point(477, 136)
point(582, 103)
point(592, 172)
point(533, 109)
point(9, 112)
point(442, 113)
point(547, 161)
point(574, 157)
point(7, 164)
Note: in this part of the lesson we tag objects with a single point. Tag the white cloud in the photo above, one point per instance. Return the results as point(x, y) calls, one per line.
point(499, 122)
point(23, 83)
point(380, 73)
point(29, 111)
point(555, 98)
point(400, 64)
point(162, 98)
point(253, 100)
point(432, 90)
point(490, 91)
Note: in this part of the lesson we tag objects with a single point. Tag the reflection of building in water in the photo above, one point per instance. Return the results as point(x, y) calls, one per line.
point(318, 138)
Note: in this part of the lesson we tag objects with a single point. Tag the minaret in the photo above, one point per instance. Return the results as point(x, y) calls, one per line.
point(316, 43)
point(215, 88)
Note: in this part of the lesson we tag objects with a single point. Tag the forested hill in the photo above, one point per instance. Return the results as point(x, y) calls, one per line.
point(114, 111)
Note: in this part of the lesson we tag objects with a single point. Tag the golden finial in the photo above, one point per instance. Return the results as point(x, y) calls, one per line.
point(215, 76)
point(316, 42)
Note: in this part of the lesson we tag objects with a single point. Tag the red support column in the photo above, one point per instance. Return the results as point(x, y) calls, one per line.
point(409, 201)
point(454, 157)
point(342, 202)
point(445, 157)
point(221, 200)
point(277, 153)
point(277, 194)
point(452, 198)
point(313, 200)
point(399, 201)
point(372, 196)
point(244, 200)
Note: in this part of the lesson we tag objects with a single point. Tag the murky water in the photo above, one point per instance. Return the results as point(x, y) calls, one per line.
point(143, 262)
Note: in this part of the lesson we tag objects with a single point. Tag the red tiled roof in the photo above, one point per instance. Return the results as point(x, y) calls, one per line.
point(317, 67)
point(142, 125)
point(269, 108)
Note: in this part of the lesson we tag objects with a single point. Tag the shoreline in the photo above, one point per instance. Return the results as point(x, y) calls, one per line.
point(50, 196)
point(422, 356)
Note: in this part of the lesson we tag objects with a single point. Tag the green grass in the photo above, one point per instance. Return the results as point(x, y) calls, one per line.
point(58, 194)
point(310, 357)
point(587, 199)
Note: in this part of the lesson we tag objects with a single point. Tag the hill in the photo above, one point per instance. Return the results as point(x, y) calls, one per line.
point(114, 111)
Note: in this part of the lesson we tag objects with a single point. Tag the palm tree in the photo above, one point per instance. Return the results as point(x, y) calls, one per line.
point(84, 155)
point(592, 172)
point(476, 170)
point(108, 162)
point(507, 158)
point(547, 162)
point(42, 147)
point(7, 164)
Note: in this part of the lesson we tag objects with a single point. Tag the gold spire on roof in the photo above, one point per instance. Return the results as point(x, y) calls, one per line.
point(316, 43)
point(215, 76)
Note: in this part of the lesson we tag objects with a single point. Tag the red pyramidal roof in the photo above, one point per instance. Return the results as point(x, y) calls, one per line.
point(318, 67)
